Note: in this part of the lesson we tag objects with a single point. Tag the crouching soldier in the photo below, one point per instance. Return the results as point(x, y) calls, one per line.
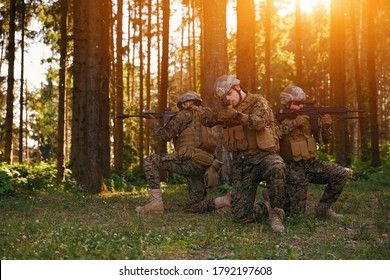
point(298, 149)
point(250, 135)
point(193, 158)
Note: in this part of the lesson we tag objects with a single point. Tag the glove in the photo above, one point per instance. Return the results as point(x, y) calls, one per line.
point(301, 120)
point(227, 113)
point(326, 119)
point(211, 176)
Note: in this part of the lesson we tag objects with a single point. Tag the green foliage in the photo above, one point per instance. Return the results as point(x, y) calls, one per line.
point(31, 177)
point(42, 177)
point(43, 120)
point(323, 154)
point(124, 180)
point(5, 181)
point(385, 153)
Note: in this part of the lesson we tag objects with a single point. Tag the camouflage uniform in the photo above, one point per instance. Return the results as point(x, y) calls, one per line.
point(252, 165)
point(299, 173)
point(176, 163)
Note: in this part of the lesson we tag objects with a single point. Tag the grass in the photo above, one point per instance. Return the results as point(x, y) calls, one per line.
point(61, 225)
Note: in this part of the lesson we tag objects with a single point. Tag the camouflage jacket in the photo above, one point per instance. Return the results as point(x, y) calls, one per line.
point(259, 113)
point(289, 126)
point(175, 125)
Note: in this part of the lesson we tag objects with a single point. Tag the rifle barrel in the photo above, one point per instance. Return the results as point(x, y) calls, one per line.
point(146, 115)
point(124, 116)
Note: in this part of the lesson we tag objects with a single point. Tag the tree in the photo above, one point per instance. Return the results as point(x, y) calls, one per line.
point(337, 73)
point(62, 90)
point(141, 89)
point(22, 85)
point(90, 123)
point(10, 85)
point(214, 47)
point(267, 47)
point(298, 43)
point(118, 128)
point(214, 61)
point(246, 56)
point(373, 94)
point(363, 125)
point(148, 73)
point(163, 88)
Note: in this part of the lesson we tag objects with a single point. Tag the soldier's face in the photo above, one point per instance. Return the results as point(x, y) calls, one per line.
point(187, 104)
point(234, 97)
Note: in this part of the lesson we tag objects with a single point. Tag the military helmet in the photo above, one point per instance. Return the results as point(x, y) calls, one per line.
point(292, 93)
point(224, 83)
point(189, 95)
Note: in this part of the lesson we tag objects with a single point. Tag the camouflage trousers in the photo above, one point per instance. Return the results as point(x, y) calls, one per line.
point(248, 172)
point(193, 173)
point(300, 174)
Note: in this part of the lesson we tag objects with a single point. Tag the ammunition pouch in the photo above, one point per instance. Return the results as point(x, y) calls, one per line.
point(303, 149)
point(197, 155)
point(211, 176)
point(267, 140)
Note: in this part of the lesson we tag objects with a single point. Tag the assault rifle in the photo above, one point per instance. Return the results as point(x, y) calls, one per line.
point(314, 112)
point(148, 114)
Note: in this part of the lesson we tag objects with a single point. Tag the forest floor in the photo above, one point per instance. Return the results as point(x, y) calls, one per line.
point(61, 225)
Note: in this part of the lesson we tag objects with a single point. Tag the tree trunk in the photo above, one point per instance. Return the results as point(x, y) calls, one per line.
point(163, 98)
point(363, 127)
point(22, 86)
point(10, 85)
point(181, 56)
point(62, 91)
point(246, 56)
point(193, 45)
point(267, 47)
point(214, 63)
point(90, 126)
point(148, 75)
point(372, 88)
point(214, 48)
point(298, 43)
point(141, 91)
point(337, 74)
point(118, 137)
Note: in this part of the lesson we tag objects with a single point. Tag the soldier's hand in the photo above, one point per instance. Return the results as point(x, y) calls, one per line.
point(301, 120)
point(152, 121)
point(227, 113)
point(326, 119)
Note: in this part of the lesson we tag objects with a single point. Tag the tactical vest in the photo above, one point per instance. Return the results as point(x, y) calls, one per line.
point(195, 135)
point(242, 138)
point(299, 144)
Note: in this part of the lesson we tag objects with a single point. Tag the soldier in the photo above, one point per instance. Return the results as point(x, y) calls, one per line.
point(194, 158)
point(298, 149)
point(250, 134)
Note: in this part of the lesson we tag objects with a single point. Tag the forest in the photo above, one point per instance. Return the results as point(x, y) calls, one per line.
point(71, 172)
point(129, 56)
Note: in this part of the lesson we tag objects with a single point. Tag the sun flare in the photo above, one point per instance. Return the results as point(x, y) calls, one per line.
point(309, 5)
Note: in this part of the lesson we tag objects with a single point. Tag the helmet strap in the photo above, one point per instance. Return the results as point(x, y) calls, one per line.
point(239, 93)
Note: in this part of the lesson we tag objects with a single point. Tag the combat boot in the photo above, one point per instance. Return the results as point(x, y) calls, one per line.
point(223, 201)
point(155, 205)
point(276, 215)
point(323, 211)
